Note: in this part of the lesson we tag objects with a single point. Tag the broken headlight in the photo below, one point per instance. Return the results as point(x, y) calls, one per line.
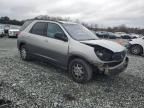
point(104, 54)
point(107, 55)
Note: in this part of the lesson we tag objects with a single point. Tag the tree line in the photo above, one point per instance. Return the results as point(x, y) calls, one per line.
point(95, 27)
point(7, 20)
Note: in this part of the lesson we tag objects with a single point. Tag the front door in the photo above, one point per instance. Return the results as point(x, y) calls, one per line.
point(57, 49)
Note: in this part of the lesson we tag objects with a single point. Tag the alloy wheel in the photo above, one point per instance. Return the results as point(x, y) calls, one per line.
point(135, 50)
point(78, 71)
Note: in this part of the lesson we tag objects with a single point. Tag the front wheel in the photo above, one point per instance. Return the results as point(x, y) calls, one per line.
point(80, 70)
point(136, 49)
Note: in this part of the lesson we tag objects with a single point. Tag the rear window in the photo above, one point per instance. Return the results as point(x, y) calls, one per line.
point(27, 23)
point(40, 28)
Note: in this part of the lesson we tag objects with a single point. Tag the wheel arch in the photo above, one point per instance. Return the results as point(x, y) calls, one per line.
point(71, 57)
point(21, 44)
point(87, 66)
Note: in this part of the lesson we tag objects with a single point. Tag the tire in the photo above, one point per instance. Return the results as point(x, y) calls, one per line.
point(136, 49)
point(24, 53)
point(80, 70)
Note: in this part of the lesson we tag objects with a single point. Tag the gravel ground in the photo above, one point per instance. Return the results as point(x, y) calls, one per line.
point(8, 47)
point(41, 85)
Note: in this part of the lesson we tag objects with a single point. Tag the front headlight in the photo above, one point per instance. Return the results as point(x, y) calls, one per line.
point(104, 54)
point(100, 54)
point(107, 55)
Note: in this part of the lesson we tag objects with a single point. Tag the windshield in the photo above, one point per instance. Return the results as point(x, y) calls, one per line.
point(79, 32)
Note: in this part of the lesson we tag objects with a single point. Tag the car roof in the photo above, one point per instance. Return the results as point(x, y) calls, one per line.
point(60, 22)
point(66, 22)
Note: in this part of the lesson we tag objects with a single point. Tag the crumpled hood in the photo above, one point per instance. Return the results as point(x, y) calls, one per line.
point(113, 46)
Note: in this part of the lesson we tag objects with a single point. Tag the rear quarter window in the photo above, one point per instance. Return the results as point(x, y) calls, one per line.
point(39, 28)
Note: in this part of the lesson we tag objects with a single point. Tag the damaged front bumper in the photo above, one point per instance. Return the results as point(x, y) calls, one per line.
point(114, 70)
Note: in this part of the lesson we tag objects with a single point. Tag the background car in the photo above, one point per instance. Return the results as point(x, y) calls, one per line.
point(13, 32)
point(126, 36)
point(1, 31)
point(133, 35)
point(137, 46)
point(106, 35)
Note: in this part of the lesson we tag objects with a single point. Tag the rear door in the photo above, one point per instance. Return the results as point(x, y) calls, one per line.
point(37, 39)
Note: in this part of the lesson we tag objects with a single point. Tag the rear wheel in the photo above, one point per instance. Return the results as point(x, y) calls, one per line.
point(24, 53)
point(136, 49)
point(80, 70)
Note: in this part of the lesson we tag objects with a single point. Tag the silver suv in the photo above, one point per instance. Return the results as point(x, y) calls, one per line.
point(72, 47)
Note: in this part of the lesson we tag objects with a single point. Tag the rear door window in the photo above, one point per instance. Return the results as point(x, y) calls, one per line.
point(40, 28)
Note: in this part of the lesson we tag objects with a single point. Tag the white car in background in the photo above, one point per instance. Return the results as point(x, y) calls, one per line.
point(13, 32)
point(137, 46)
point(133, 35)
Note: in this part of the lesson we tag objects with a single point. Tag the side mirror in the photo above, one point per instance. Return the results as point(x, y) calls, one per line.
point(61, 36)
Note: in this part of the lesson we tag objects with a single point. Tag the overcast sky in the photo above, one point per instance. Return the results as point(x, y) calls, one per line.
point(102, 12)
